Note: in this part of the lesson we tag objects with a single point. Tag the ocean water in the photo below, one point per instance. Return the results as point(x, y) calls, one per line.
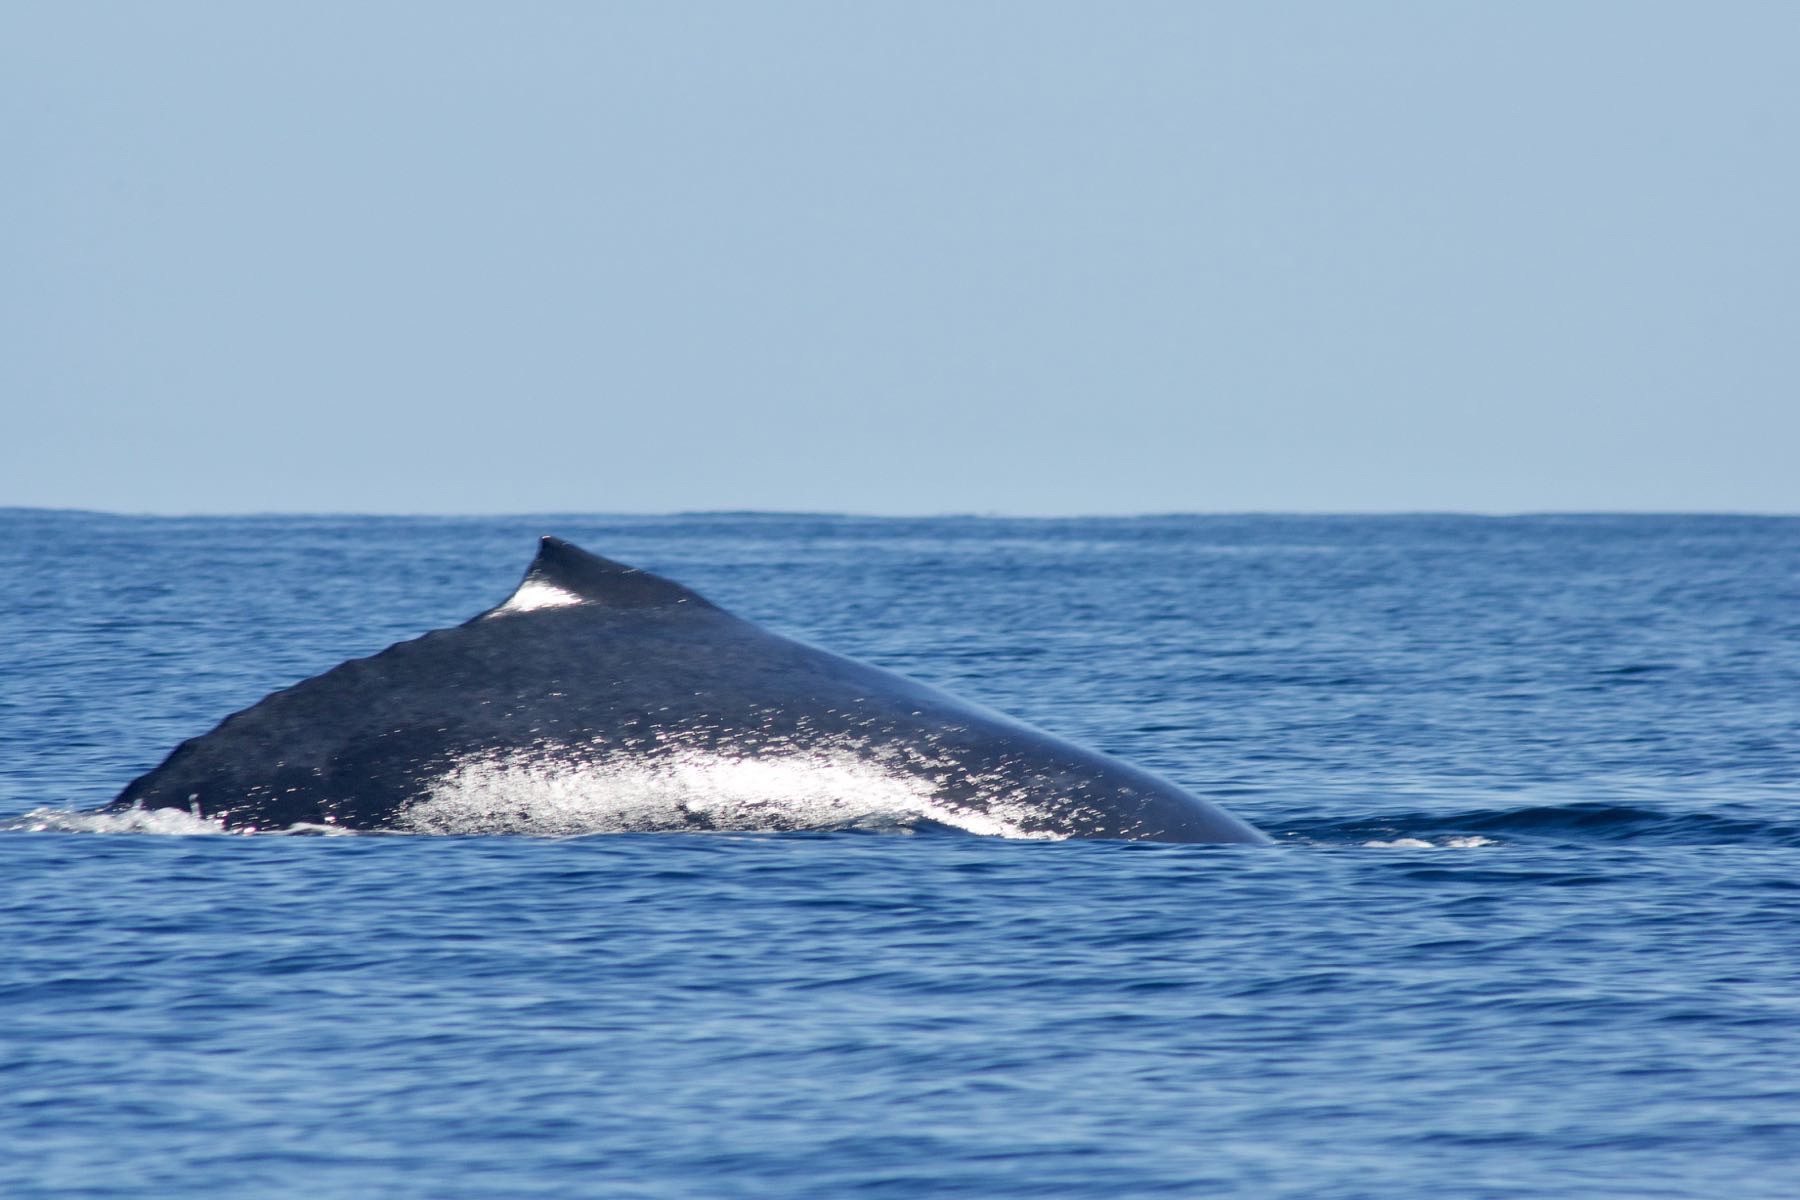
point(1531, 927)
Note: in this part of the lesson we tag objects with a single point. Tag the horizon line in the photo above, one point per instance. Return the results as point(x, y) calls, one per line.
point(846, 514)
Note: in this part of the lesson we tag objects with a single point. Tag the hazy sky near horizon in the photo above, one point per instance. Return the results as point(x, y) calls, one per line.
point(912, 258)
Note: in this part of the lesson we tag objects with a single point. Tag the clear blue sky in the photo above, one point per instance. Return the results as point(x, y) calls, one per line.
point(911, 258)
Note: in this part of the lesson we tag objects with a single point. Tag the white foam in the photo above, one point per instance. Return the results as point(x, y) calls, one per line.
point(688, 790)
point(1409, 843)
point(168, 821)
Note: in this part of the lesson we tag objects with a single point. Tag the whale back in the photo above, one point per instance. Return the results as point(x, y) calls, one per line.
point(598, 698)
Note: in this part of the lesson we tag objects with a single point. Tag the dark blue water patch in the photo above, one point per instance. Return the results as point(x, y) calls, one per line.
point(1561, 825)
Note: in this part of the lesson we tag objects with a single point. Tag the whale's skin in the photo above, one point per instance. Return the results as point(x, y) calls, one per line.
point(604, 698)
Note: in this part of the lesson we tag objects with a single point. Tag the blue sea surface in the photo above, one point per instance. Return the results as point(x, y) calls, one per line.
point(1531, 927)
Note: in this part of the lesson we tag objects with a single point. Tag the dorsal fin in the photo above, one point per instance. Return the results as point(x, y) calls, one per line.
point(563, 574)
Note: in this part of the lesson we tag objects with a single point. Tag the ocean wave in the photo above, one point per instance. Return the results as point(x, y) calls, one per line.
point(1570, 823)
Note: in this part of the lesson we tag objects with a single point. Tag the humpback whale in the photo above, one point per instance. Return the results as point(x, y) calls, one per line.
point(599, 697)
